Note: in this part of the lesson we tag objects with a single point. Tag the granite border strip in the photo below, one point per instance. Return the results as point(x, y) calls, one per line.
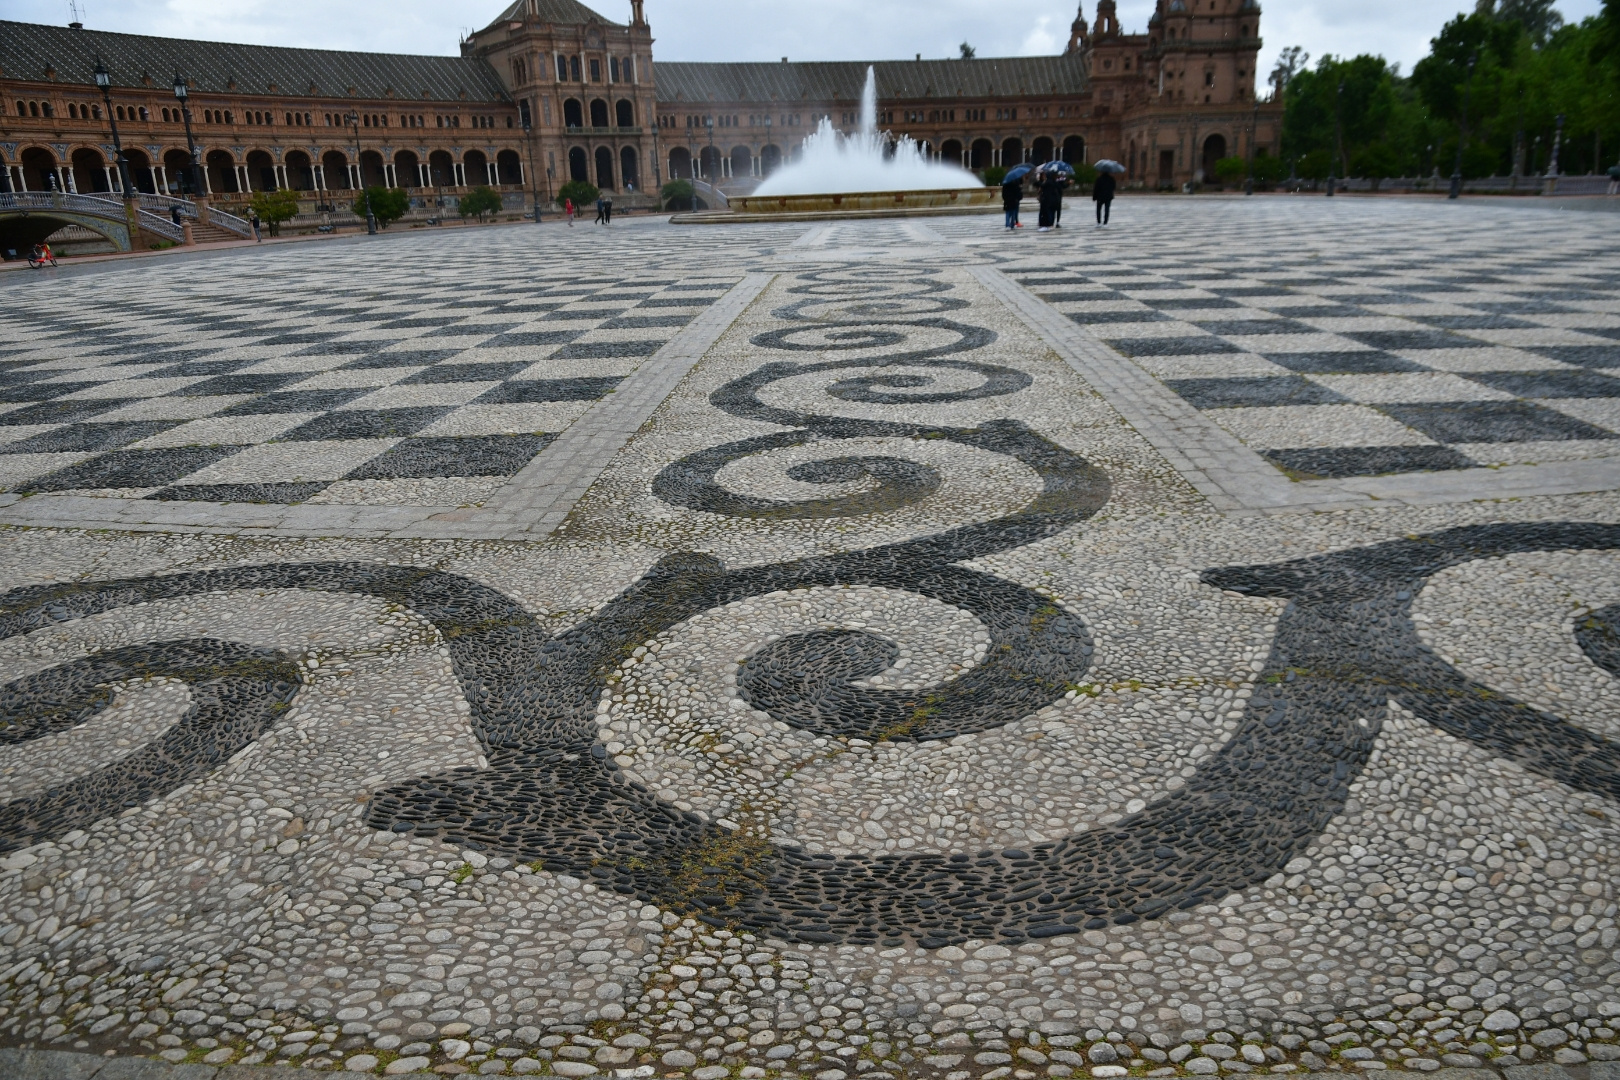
point(1238, 481)
point(533, 502)
point(30, 1064)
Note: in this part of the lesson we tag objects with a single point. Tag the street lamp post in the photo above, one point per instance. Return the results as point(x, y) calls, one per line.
point(180, 93)
point(360, 174)
point(104, 80)
point(1462, 130)
point(534, 177)
point(709, 123)
point(1254, 129)
point(1338, 138)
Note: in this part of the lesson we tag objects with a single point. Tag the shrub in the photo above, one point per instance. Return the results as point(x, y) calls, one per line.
point(274, 207)
point(479, 201)
point(581, 193)
point(677, 195)
point(994, 175)
point(387, 204)
point(1231, 170)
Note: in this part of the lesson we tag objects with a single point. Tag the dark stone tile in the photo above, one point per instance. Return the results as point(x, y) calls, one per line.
point(532, 337)
point(297, 401)
point(1318, 311)
point(1472, 322)
point(43, 391)
point(306, 337)
point(470, 329)
point(1255, 390)
point(1172, 346)
point(1587, 356)
point(453, 373)
point(88, 437)
point(607, 350)
point(533, 391)
point(1103, 318)
point(132, 468)
point(644, 322)
point(420, 322)
point(1314, 464)
point(402, 358)
point(240, 493)
point(1185, 303)
point(1413, 339)
point(63, 412)
point(197, 369)
point(479, 455)
point(1517, 307)
point(1492, 421)
point(1549, 384)
point(677, 301)
point(366, 424)
point(262, 383)
point(1365, 362)
point(345, 347)
point(1247, 327)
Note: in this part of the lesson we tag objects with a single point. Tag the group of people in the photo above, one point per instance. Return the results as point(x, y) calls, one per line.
point(1049, 186)
point(604, 211)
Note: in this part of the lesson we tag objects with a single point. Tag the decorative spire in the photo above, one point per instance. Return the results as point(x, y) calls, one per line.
point(1107, 21)
point(1078, 34)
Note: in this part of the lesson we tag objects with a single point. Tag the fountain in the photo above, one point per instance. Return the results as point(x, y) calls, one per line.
point(836, 174)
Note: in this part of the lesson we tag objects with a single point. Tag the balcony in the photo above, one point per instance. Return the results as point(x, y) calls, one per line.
point(604, 130)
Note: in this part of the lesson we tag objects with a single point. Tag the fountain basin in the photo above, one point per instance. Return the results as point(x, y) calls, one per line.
point(862, 200)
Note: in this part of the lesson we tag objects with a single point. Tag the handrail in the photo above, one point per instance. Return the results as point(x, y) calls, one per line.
point(61, 200)
point(229, 222)
point(161, 225)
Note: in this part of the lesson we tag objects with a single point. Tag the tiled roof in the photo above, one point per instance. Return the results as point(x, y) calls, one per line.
point(29, 50)
point(557, 12)
point(896, 79)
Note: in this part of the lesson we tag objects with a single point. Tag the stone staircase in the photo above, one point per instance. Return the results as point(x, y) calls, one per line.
point(204, 233)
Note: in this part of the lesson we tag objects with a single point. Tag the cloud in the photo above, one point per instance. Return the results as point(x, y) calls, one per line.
point(1040, 41)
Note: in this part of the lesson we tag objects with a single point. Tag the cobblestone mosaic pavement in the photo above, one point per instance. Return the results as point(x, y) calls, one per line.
point(920, 679)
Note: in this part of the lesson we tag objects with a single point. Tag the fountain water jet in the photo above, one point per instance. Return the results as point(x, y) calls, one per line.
point(863, 171)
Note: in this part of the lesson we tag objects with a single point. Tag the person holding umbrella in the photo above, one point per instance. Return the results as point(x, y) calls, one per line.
point(1012, 193)
point(1052, 182)
point(1102, 189)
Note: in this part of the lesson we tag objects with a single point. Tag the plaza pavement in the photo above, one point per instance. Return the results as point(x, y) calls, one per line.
point(853, 650)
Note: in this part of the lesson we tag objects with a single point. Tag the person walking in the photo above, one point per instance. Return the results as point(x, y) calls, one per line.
point(1012, 193)
point(1102, 192)
point(607, 209)
point(599, 218)
point(1051, 198)
point(568, 208)
point(254, 221)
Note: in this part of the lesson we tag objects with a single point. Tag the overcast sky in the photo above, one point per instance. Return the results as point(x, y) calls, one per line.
point(762, 29)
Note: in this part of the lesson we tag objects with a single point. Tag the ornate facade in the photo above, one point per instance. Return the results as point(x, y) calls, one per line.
point(551, 91)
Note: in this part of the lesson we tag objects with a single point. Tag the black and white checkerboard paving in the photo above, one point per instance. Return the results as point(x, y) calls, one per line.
point(1369, 364)
point(345, 392)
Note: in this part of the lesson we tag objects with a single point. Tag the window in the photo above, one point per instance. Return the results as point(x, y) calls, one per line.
point(596, 70)
point(562, 68)
point(573, 68)
point(1209, 79)
point(144, 116)
point(46, 110)
point(613, 69)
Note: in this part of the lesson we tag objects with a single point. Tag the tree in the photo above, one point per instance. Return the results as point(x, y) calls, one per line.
point(677, 195)
point(479, 201)
point(1231, 170)
point(1268, 170)
point(579, 192)
point(1290, 62)
point(968, 51)
point(994, 175)
point(1537, 17)
point(387, 204)
point(274, 207)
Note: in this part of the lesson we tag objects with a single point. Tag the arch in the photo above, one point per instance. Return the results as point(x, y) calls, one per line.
point(1012, 152)
point(474, 168)
point(140, 170)
point(89, 171)
point(1074, 150)
point(39, 169)
point(742, 161)
point(709, 163)
point(629, 168)
point(509, 167)
point(579, 165)
point(1214, 150)
point(300, 173)
point(770, 159)
point(335, 171)
point(261, 171)
point(951, 150)
point(1040, 151)
point(573, 113)
point(406, 173)
point(979, 156)
point(599, 113)
point(220, 169)
point(442, 169)
point(604, 168)
point(680, 163)
point(624, 113)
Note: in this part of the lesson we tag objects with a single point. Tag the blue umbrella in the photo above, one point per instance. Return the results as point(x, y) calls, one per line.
point(1059, 167)
point(1017, 172)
